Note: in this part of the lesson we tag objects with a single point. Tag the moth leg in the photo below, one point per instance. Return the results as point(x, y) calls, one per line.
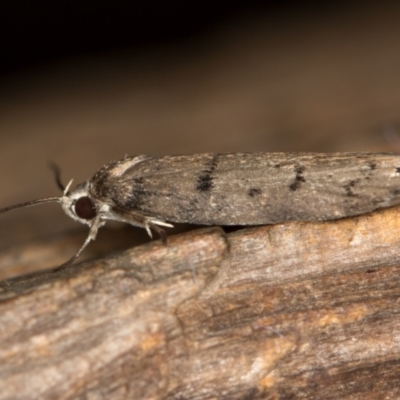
point(96, 224)
point(140, 220)
point(161, 232)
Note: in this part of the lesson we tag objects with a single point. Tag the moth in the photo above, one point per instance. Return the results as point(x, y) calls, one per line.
point(230, 189)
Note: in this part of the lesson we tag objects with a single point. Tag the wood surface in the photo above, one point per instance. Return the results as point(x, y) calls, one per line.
point(295, 310)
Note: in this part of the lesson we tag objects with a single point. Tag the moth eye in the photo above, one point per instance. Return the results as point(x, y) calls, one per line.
point(84, 208)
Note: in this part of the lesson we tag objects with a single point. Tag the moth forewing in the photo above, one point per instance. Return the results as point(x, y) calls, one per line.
point(257, 188)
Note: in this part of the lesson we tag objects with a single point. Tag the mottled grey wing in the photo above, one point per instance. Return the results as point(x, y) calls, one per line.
point(259, 188)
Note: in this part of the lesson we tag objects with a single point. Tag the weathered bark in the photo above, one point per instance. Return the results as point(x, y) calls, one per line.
point(296, 310)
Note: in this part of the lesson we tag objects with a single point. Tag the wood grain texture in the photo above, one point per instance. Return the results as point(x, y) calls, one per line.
point(296, 310)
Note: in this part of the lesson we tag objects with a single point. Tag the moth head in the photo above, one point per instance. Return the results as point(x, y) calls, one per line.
point(81, 206)
point(78, 204)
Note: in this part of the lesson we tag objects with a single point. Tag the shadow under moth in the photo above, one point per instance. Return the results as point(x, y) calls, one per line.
point(230, 189)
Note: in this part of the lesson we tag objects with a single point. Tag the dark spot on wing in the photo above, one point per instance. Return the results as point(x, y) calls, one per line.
point(253, 192)
point(395, 192)
point(137, 199)
point(367, 170)
point(299, 178)
point(277, 165)
point(205, 181)
point(348, 187)
point(398, 170)
point(139, 196)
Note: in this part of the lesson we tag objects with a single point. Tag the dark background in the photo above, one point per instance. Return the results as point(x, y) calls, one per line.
point(83, 83)
point(36, 33)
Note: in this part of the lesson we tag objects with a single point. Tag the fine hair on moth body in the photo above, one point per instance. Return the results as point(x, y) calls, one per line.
point(229, 189)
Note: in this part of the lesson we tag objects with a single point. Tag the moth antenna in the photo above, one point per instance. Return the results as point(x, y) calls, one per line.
point(31, 203)
point(57, 173)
